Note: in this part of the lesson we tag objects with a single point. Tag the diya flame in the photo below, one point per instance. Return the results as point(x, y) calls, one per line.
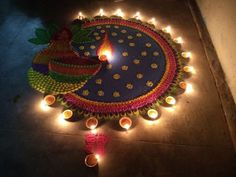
point(105, 51)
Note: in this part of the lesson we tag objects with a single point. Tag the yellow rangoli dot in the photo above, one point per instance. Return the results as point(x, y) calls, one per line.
point(120, 41)
point(116, 76)
point(149, 83)
point(138, 34)
point(148, 44)
point(123, 31)
point(116, 94)
point(131, 44)
point(114, 34)
point(92, 47)
point(109, 66)
point(100, 93)
point(98, 38)
point(139, 76)
point(136, 61)
point(129, 86)
point(130, 37)
point(154, 65)
point(98, 81)
point(81, 47)
point(86, 53)
point(155, 53)
point(95, 34)
point(125, 54)
point(85, 93)
point(116, 26)
point(124, 67)
point(144, 53)
point(103, 31)
point(99, 27)
point(108, 26)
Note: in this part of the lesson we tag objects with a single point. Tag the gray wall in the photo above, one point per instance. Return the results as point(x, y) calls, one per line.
point(220, 18)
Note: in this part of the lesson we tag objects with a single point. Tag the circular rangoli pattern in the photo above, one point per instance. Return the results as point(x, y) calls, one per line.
point(144, 66)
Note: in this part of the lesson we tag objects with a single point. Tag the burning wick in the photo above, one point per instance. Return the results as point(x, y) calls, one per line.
point(167, 29)
point(101, 12)
point(119, 13)
point(186, 54)
point(105, 50)
point(137, 16)
point(80, 16)
point(152, 21)
point(43, 105)
point(188, 69)
point(179, 40)
point(102, 57)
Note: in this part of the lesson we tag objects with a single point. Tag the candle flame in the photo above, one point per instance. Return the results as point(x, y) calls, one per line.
point(105, 48)
point(152, 21)
point(97, 156)
point(94, 131)
point(101, 12)
point(80, 15)
point(167, 29)
point(189, 88)
point(119, 13)
point(126, 126)
point(43, 105)
point(92, 127)
point(186, 54)
point(179, 40)
point(137, 16)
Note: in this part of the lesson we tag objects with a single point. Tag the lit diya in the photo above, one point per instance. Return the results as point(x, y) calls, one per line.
point(188, 69)
point(183, 85)
point(179, 40)
point(170, 100)
point(67, 114)
point(152, 113)
point(186, 54)
point(102, 57)
point(91, 160)
point(91, 123)
point(105, 50)
point(49, 99)
point(125, 122)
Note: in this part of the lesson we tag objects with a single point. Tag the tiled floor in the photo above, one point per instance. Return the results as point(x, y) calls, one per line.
point(191, 141)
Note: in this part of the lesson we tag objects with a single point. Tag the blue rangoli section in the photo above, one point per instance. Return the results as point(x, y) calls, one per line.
point(137, 66)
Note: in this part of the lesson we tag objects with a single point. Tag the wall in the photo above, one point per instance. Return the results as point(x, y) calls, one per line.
point(220, 18)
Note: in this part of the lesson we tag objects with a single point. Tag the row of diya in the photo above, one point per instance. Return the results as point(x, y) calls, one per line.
point(91, 160)
point(124, 122)
point(136, 16)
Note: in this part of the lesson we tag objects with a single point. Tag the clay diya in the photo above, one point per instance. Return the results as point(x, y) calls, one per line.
point(91, 123)
point(91, 160)
point(125, 122)
point(49, 99)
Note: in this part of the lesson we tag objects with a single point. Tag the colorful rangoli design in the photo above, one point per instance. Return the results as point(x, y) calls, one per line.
point(109, 68)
